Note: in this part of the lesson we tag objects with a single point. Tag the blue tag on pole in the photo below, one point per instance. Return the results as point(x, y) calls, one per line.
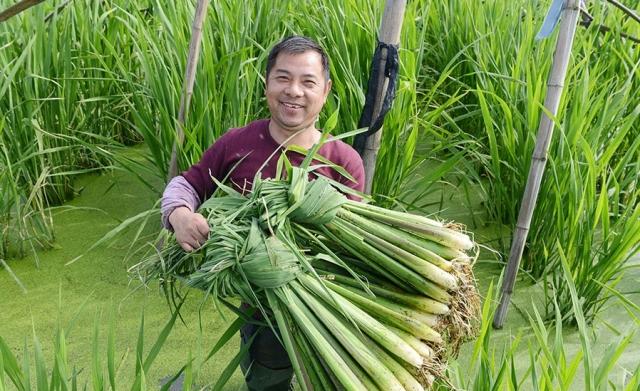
point(551, 20)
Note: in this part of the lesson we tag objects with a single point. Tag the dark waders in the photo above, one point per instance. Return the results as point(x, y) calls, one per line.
point(267, 366)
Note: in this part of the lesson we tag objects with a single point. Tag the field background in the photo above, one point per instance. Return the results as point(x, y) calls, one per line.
point(89, 94)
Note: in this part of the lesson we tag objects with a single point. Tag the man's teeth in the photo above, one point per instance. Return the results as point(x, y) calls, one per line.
point(291, 105)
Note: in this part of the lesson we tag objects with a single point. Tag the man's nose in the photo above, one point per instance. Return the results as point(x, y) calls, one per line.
point(293, 89)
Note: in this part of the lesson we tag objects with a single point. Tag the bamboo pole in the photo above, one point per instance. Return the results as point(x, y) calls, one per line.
point(17, 8)
point(555, 86)
point(389, 33)
point(189, 79)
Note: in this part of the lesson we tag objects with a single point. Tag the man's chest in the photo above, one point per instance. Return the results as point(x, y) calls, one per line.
point(244, 163)
point(242, 168)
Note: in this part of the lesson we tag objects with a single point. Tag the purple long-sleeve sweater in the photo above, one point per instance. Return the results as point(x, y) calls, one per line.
point(238, 155)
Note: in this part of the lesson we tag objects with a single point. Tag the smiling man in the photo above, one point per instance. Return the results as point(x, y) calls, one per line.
point(297, 86)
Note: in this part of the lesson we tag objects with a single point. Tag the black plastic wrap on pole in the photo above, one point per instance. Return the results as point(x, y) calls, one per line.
point(391, 72)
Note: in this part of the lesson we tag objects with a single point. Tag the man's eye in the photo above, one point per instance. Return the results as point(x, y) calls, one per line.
point(309, 83)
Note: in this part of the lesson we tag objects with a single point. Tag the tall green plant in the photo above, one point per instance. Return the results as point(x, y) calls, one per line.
point(499, 363)
point(32, 371)
point(588, 199)
point(61, 107)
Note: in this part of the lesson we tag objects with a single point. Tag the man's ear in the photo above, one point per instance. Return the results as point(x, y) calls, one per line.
point(327, 88)
point(266, 84)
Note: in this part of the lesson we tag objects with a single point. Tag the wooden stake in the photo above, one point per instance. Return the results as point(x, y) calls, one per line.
point(555, 85)
point(189, 79)
point(390, 28)
point(17, 8)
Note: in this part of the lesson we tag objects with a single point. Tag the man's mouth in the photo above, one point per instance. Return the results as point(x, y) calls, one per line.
point(291, 105)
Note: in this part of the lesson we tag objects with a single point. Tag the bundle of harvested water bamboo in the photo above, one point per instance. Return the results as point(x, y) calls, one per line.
point(362, 297)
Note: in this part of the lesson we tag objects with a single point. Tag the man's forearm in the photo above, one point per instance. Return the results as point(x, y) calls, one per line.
point(178, 193)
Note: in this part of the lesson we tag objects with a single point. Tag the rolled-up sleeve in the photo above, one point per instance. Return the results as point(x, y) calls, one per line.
point(178, 193)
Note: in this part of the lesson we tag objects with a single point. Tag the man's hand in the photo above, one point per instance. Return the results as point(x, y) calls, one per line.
point(191, 229)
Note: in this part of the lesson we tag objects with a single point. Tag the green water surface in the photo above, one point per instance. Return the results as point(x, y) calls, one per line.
point(77, 296)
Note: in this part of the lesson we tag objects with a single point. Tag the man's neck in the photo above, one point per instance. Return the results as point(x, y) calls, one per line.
point(304, 138)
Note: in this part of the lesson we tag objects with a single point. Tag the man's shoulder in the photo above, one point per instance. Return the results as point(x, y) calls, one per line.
point(234, 139)
point(342, 154)
point(251, 129)
point(339, 151)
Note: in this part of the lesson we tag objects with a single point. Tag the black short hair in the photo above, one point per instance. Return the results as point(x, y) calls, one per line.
point(296, 45)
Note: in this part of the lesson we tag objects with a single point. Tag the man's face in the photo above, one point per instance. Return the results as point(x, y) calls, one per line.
point(296, 91)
